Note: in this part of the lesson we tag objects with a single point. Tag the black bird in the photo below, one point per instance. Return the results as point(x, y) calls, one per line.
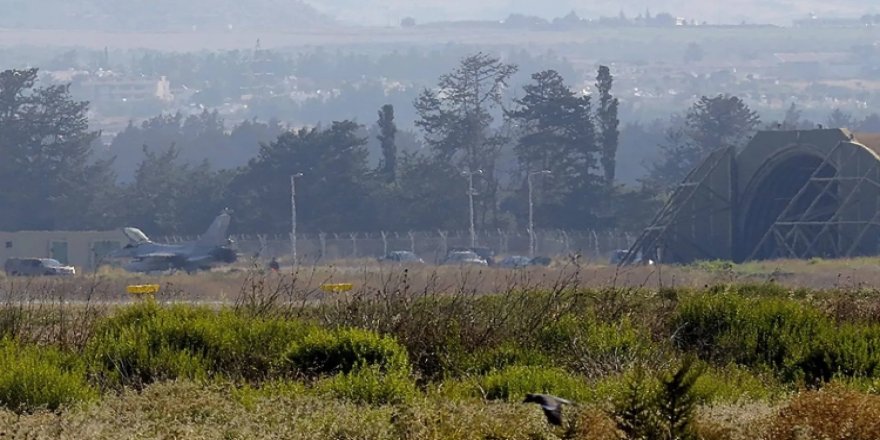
point(551, 405)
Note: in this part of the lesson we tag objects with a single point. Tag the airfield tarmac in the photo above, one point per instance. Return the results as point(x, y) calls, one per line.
point(304, 283)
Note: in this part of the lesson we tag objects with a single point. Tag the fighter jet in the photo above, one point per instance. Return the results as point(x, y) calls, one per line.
point(212, 249)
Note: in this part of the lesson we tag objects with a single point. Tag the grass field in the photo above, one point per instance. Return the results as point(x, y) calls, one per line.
point(774, 350)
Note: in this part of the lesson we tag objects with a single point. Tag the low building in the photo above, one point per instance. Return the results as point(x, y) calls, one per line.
point(85, 250)
point(813, 65)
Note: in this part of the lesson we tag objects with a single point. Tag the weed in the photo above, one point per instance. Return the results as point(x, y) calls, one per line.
point(34, 378)
point(327, 352)
point(371, 385)
point(514, 382)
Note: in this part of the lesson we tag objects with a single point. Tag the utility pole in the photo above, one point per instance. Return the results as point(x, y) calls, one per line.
point(293, 215)
point(532, 211)
point(471, 193)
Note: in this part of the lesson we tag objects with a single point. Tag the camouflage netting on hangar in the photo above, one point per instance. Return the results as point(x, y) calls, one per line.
point(788, 194)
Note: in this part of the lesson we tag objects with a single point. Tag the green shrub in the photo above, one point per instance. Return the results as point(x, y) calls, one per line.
point(328, 352)
point(505, 355)
point(662, 407)
point(755, 290)
point(36, 377)
point(791, 338)
point(772, 332)
point(514, 382)
point(713, 265)
point(734, 384)
point(634, 405)
point(369, 384)
point(851, 350)
point(586, 344)
point(145, 343)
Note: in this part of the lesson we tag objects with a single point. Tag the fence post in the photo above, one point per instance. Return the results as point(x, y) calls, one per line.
point(412, 242)
point(444, 243)
point(384, 243)
point(354, 245)
point(598, 252)
point(264, 244)
point(322, 240)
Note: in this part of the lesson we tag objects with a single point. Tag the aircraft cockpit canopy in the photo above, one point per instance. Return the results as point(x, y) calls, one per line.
point(135, 235)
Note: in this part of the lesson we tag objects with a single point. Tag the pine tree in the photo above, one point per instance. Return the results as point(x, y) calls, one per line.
point(50, 178)
point(711, 123)
point(608, 123)
point(556, 134)
point(387, 134)
point(333, 194)
point(456, 119)
point(677, 404)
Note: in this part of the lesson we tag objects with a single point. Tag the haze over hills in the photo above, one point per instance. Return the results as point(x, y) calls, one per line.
point(384, 12)
point(157, 15)
point(281, 15)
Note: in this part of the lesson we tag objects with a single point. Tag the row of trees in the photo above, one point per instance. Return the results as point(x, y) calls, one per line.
point(52, 179)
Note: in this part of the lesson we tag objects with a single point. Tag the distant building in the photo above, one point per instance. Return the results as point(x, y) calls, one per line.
point(812, 65)
point(114, 88)
point(85, 250)
point(815, 21)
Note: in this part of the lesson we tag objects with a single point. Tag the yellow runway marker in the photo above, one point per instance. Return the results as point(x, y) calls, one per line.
point(143, 290)
point(337, 288)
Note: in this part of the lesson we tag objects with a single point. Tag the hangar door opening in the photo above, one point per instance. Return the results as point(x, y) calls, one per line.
point(790, 211)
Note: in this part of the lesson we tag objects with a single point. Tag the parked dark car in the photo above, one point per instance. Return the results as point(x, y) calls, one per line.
point(515, 262)
point(37, 267)
point(405, 257)
point(541, 261)
point(519, 261)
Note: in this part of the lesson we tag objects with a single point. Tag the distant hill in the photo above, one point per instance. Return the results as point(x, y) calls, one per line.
point(727, 12)
point(158, 15)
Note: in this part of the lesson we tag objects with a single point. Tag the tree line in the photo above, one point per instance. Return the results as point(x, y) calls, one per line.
point(53, 177)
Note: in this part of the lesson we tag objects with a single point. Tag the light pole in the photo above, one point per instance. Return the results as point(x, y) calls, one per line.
point(470, 175)
point(532, 211)
point(293, 214)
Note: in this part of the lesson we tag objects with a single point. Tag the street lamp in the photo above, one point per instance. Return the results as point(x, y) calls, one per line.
point(532, 211)
point(470, 175)
point(293, 214)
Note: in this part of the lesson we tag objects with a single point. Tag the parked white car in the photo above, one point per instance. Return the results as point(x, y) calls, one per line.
point(33, 267)
point(465, 258)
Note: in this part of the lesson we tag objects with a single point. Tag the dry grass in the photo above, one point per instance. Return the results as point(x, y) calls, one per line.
point(832, 413)
point(226, 285)
point(185, 410)
point(740, 421)
point(192, 411)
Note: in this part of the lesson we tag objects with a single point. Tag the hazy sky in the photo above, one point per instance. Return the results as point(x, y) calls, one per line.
point(389, 12)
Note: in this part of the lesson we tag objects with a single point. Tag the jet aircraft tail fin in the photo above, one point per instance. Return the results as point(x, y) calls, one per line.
point(216, 233)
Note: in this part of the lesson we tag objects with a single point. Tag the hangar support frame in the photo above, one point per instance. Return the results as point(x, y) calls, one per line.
point(820, 230)
point(787, 194)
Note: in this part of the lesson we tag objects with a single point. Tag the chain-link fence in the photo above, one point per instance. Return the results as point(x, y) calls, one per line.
point(431, 246)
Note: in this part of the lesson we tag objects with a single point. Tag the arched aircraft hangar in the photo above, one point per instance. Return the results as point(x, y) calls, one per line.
point(787, 194)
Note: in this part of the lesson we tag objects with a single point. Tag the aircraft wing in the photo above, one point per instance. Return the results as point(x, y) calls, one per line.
point(198, 258)
point(157, 256)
